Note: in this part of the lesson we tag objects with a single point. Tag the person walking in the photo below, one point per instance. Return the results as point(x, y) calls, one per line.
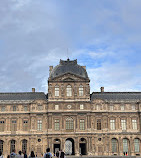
point(48, 153)
point(25, 155)
point(19, 155)
point(32, 154)
point(13, 154)
point(57, 154)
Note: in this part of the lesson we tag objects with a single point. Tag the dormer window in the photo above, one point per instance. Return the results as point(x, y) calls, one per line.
point(80, 90)
point(69, 91)
point(56, 91)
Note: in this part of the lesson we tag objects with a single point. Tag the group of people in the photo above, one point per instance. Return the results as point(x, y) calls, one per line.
point(59, 154)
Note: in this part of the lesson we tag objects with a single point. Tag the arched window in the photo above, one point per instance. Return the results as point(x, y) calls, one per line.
point(69, 91)
point(80, 90)
point(56, 91)
point(69, 123)
point(1, 145)
point(24, 145)
point(12, 145)
point(125, 145)
point(137, 145)
point(114, 145)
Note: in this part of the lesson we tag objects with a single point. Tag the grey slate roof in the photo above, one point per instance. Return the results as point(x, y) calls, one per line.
point(116, 95)
point(23, 96)
point(68, 67)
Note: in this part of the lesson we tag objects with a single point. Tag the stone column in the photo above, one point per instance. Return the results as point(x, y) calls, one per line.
point(76, 146)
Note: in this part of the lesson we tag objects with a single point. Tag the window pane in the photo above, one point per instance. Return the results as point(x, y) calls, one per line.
point(69, 91)
point(112, 124)
point(122, 107)
point(39, 125)
point(134, 124)
point(69, 124)
point(25, 108)
point(114, 145)
point(3, 108)
point(24, 145)
point(137, 145)
point(56, 91)
point(2, 124)
point(82, 124)
point(12, 145)
point(57, 124)
point(81, 90)
point(98, 124)
point(25, 125)
point(14, 108)
point(133, 107)
point(56, 107)
point(81, 107)
point(125, 145)
point(1, 145)
point(123, 124)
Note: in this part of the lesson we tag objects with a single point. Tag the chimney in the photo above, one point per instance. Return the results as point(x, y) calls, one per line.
point(33, 89)
point(84, 67)
point(50, 69)
point(102, 89)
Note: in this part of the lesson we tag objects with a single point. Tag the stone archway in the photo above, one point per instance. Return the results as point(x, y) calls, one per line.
point(83, 146)
point(69, 147)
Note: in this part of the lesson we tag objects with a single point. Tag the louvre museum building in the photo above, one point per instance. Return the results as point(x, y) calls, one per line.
point(69, 118)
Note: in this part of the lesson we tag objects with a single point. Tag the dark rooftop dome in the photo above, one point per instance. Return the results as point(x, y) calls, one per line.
point(68, 66)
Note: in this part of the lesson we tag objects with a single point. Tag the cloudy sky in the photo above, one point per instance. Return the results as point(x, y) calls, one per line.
point(104, 35)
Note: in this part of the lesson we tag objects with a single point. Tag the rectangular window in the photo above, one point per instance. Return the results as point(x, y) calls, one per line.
point(25, 108)
point(82, 124)
point(14, 108)
point(112, 124)
point(133, 107)
point(122, 107)
point(57, 125)
point(2, 108)
point(81, 107)
point(99, 124)
point(56, 91)
point(97, 107)
point(39, 125)
point(56, 107)
point(137, 145)
point(111, 107)
point(40, 107)
point(69, 91)
point(134, 124)
point(81, 90)
point(123, 124)
point(25, 125)
point(14, 125)
point(2, 125)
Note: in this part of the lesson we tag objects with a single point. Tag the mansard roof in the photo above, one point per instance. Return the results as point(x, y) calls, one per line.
point(116, 96)
point(69, 66)
point(23, 96)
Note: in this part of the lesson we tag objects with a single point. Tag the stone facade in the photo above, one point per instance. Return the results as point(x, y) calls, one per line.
point(70, 118)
